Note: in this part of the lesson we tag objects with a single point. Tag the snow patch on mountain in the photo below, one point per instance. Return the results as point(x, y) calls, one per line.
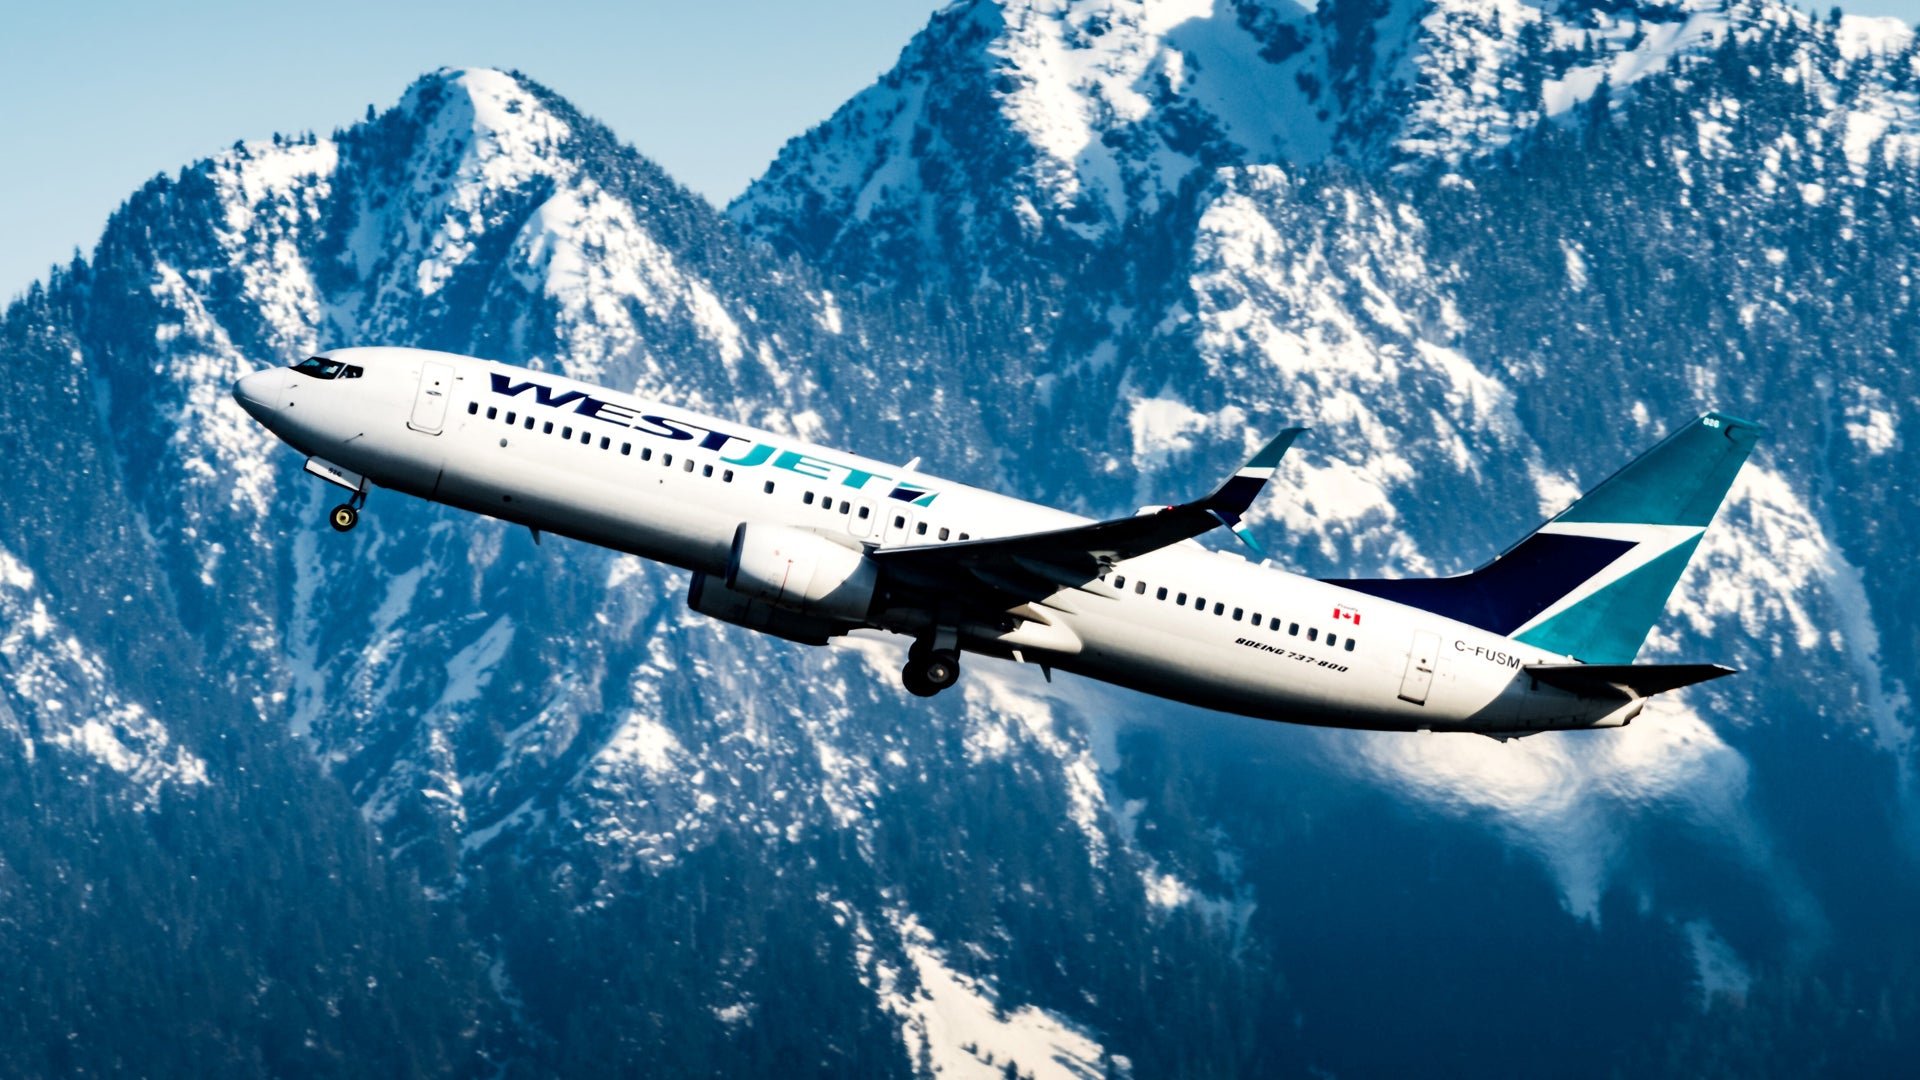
point(995, 705)
point(1320, 298)
point(1717, 969)
point(591, 257)
point(272, 192)
point(1769, 568)
point(56, 692)
point(965, 1031)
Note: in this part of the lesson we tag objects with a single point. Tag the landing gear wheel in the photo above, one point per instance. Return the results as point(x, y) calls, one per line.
point(928, 673)
point(916, 683)
point(343, 518)
point(942, 669)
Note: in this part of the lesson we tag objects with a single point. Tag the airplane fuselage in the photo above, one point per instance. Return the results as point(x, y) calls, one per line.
point(668, 484)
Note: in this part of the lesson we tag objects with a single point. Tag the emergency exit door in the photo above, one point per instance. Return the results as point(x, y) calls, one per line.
point(898, 526)
point(1420, 663)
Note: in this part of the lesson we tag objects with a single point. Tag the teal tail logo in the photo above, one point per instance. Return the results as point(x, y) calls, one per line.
point(1591, 583)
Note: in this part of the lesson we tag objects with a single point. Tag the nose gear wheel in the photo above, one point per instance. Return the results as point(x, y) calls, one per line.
point(345, 516)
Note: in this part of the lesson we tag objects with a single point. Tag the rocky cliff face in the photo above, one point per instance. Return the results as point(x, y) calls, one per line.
point(485, 803)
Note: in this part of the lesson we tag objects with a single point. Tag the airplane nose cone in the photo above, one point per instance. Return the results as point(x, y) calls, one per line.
point(256, 392)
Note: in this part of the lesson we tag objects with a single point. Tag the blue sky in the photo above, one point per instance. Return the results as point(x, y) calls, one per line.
point(97, 97)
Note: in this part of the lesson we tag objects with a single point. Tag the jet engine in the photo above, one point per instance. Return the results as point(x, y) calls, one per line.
point(710, 596)
point(801, 571)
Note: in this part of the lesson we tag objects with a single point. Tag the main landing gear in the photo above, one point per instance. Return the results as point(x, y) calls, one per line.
point(930, 670)
point(345, 516)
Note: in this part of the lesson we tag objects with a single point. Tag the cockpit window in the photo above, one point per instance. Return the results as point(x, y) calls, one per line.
point(352, 372)
point(319, 367)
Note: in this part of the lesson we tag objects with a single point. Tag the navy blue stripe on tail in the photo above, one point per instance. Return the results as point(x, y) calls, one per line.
point(1503, 595)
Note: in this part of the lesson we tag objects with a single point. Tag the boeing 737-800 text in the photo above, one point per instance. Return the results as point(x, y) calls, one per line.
point(808, 543)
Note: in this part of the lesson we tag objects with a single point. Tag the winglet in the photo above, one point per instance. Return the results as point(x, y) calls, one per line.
point(1232, 498)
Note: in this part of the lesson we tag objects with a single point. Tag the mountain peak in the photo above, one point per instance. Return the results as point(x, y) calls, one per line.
point(498, 107)
point(1068, 120)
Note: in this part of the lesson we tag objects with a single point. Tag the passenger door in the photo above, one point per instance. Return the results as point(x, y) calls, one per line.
point(1420, 664)
point(430, 401)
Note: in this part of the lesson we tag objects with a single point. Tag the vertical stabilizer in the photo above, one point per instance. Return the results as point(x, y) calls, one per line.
point(1591, 582)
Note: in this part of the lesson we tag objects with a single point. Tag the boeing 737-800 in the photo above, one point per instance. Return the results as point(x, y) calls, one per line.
point(809, 543)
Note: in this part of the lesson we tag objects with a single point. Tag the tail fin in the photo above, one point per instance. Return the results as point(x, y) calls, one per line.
point(1591, 582)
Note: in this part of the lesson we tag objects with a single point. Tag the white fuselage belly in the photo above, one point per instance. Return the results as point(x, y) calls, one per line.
point(647, 502)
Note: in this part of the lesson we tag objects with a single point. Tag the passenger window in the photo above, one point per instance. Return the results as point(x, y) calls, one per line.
point(473, 407)
point(688, 467)
point(546, 428)
point(1275, 624)
point(726, 477)
point(1255, 620)
point(666, 461)
point(1293, 629)
point(1349, 645)
point(1140, 588)
point(1161, 594)
point(1200, 603)
point(529, 423)
point(1219, 609)
point(963, 536)
point(1313, 633)
point(585, 436)
point(565, 432)
point(626, 448)
point(920, 529)
point(492, 412)
point(646, 453)
point(1118, 583)
point(845, 506)
point(509, 419)
point(807, 498)
point(769, 487)
point(866, 512)
point(1237, 613)
point(1181, 599)
point(1332, 640)
point(899, 521)
point(706, 470)
point(943, 532)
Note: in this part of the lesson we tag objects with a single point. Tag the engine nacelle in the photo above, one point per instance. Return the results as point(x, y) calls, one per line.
point(710, 596)
point(801, 571)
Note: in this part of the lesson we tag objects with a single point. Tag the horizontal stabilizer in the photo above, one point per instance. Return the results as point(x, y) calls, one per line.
point(1624, 680)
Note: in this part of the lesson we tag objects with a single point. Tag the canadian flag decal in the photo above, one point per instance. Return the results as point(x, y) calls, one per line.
point(1346, 613)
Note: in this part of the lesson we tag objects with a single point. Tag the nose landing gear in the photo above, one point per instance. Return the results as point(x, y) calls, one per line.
point(345, 516)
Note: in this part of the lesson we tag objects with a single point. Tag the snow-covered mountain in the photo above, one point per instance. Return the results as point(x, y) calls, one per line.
point(1088, 252)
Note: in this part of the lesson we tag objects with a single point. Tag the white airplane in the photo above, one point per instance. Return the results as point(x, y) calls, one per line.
point(809, 543)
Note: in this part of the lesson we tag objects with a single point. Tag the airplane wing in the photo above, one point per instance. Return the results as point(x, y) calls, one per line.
point(1044, 561)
